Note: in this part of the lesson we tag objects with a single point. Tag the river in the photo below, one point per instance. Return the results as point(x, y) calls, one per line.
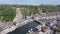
point(24, 29)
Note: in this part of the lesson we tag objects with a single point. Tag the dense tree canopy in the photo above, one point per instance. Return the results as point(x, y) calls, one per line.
point(8, 14)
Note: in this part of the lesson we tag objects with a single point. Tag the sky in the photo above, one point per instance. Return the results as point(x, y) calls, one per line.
point(30, 2)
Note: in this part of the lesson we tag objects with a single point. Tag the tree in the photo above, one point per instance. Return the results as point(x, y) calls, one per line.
point(43, 11)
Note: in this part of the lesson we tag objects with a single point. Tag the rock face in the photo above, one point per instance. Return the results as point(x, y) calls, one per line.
point(18, 15)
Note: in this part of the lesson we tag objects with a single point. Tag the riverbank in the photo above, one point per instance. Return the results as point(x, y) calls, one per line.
point(20, 24)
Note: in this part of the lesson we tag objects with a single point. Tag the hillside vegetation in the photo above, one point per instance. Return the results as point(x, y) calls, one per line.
point(7, 14)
